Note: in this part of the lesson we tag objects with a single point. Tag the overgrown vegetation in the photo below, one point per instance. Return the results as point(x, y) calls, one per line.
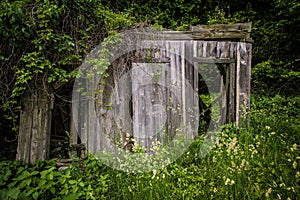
point(262, 162)
point(47, 40)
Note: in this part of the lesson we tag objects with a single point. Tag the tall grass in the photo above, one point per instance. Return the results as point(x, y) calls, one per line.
point(259, 163)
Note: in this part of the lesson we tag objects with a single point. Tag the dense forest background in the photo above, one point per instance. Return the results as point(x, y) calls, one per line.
point(44, 42)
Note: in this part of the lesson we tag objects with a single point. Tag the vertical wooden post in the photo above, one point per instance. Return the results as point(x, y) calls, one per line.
point(243, 84)
point(238, 87)
point(183, 96)
point(231, 72)
point(35, 125)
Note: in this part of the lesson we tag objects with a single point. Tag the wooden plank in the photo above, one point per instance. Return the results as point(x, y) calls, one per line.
point(35, 126)
point(196, 73)
point(149, 106)
point(204, 50)
point(199, 49)
point(213, 60)
point(224, 97)
point(183, 86)
point(176, 116)
point(25, 127)
point(243, 84)
point(221, 35)
point(73, 120)
point(140, 107)
point(83, 114)
point(91, 140)
point(231, 93)
point(248, 82)
point(238, 97)
point(173, 97)
point(121, 105)
point(95, 139)
point(223, 50)
point(239, 31)
point(195, 86)
point(222, 31)
point(211, 48)
point(232, 50)
point(239, 27)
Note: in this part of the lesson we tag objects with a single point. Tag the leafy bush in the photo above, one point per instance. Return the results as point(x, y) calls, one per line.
point(43, 181)
point(259, 163)
point(270, 78)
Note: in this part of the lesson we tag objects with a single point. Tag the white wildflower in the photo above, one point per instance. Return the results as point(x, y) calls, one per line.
point(294, 164)
point(268, 192)
point(154, 173)
point(233, 164)
point(294, 147)
point(243, 163)
point(229, 182)
point(281, 185)
point(297, 175)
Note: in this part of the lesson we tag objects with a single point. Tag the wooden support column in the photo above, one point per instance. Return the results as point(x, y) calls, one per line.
point(35, 125)
point(243, 73)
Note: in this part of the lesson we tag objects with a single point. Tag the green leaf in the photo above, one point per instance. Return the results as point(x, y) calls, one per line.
point(52, 190)
point(28, 181)
point(81, 184)
point(50, 176)
point(71, 196)
point(72, 182)
point(13, 193)
point(34, 173)
point(35, 195)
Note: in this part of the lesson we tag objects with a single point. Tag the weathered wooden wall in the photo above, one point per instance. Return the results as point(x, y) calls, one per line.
point(137, 109)
point(148, 98)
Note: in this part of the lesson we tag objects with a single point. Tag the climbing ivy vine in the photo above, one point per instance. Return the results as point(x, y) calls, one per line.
point(47, 40)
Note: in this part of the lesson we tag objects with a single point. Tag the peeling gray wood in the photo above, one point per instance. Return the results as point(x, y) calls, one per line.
point(35, 126)
point(243, 84)
point(233, 56)
point(221, 31)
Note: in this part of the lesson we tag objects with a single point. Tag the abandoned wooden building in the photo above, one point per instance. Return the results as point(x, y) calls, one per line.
point(152, 91)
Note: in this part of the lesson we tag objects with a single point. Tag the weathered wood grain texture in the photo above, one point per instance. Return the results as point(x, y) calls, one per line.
point(243, 84)
point(35, 126)
point(148, 96)
point(135, 111)
point(73, 128)
point(220, 31)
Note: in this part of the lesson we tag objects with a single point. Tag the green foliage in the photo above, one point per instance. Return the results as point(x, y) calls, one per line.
point(43, 181)
point(272, 78)
point(259, 163)
point(178, 14)
point(47, 41)
point(276, 47)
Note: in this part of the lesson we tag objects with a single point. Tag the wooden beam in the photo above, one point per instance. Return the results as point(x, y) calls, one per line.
point(214, 60)
point(239, 31)
point(238, 27)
